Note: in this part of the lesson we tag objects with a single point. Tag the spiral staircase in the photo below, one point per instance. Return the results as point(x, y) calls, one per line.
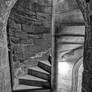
point(37, 79)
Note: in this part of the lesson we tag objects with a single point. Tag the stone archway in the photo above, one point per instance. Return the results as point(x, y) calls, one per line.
point(5, 7)
point(29, 39)
point(5, 76)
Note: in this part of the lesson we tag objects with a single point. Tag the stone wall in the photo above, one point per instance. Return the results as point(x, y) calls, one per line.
point(29, 38)
point(29, 34)
point(5, 7)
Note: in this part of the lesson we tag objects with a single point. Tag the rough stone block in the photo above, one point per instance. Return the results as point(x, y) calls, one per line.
point(44, 43)
point(31, 62)
point(87, 82)
point(4, 56)
point(8, 87)
point(1, 35)
point(6, 71)
point(1, 56)
point(27, 28)
point(1, 25)
point(11, 23)
point(88, 54)
point(6, 84)
point(88, 65)
point(3, 7)
point(18, 53)
point(26, 41)
point(31, 50)
point(7, 80)
point(2, 82)
point(18, 27)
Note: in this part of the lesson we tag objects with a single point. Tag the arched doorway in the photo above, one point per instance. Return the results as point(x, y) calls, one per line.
point(70, 34)
point(5, 10)
point(29, 43)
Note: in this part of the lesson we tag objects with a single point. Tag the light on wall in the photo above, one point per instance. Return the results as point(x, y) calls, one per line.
point(63, 68)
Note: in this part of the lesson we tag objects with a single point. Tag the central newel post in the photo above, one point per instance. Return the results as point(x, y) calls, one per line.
point(54, 68)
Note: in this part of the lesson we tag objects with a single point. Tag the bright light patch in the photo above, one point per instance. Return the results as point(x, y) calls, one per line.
point(63, 68)
point(61, 0)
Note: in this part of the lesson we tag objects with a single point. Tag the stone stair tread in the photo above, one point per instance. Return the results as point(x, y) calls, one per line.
point(45, 62)
point(33, 90)
point(38, 69)
point(30, 77)
point(24, 87)
point(45, 65)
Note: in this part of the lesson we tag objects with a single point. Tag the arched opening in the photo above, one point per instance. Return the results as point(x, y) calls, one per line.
point(11, 3)
point(29, 43)
point(70, 33)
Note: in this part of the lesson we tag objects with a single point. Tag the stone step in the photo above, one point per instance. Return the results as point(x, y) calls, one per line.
point(25, 87)
point(33, 90)
point(45, 65)
point(73, 30)
point(38, 72)
point(71, 39)
point(33, 81)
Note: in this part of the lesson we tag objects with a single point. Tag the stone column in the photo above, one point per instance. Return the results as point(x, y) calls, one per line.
point(5, 80)
point(87, 62)
point(86, 9)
